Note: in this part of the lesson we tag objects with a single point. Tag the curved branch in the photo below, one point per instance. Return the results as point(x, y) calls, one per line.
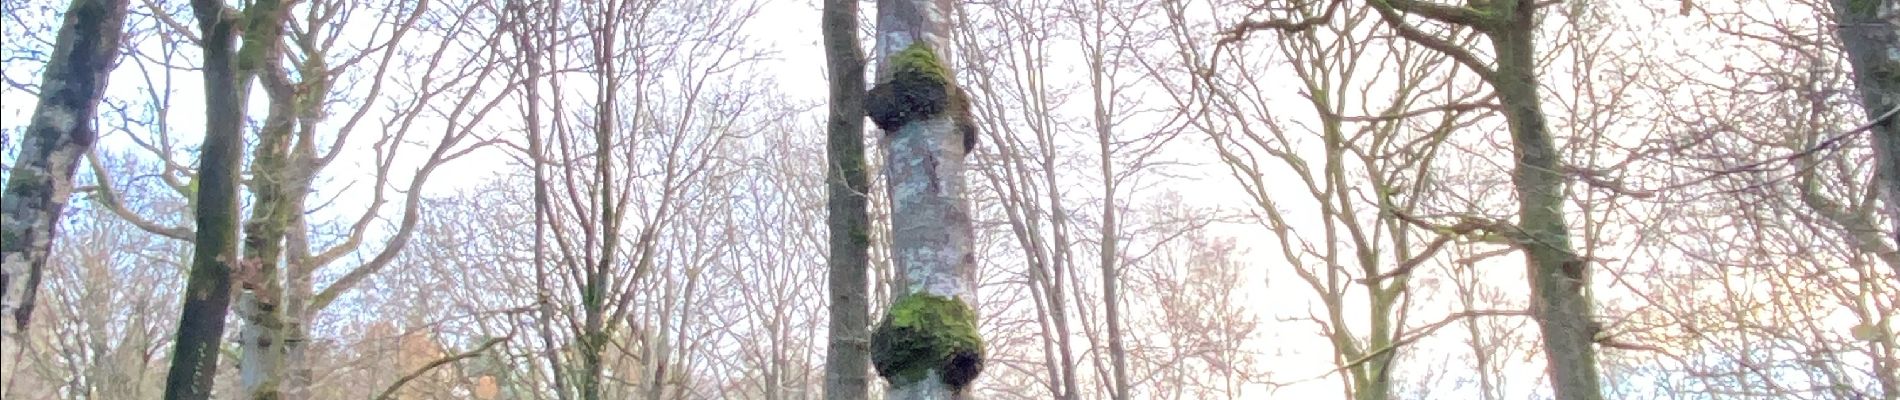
point(390, 392)
point(1390, 14)
point(110, 198)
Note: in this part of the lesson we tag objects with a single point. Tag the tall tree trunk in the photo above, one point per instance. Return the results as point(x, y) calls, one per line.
point(208, 288)
point(299, 289)
point(593, 336)
point(61, 131)
point(927, 345)
point(847, 355)
point(274, 197)
point(1110, 234)
point(1558, 274)
point(1868, 32)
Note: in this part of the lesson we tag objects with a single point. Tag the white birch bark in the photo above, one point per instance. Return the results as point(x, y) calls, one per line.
point(931, 234)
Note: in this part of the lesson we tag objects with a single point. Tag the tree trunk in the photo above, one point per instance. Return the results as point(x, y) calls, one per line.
point(1868, 33)
point(527, 37)
point(847, 356)
point(61, 132)
point(1110, 234)
point(274, 194)
point(594, 302)
point(208, 288)
point(1558, 274)
point(927, 345)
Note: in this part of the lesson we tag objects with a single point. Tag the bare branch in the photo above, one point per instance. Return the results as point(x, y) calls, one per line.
point(390, 392)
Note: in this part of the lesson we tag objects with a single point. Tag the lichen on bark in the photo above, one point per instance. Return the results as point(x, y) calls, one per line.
point(923, 332)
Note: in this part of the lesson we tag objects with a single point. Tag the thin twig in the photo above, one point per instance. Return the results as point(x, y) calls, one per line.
point(1830, 142)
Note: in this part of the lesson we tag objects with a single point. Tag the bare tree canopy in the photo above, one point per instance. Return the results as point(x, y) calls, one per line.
point(940, 199)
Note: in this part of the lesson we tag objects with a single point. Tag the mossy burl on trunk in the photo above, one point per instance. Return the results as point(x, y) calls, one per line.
point(920, 88)
point(923, 332)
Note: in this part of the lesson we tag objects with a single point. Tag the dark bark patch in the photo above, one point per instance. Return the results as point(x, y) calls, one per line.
point(919, 88)
point(923, 332)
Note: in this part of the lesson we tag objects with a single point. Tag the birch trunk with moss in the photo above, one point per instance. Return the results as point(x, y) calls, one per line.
point(927, 345)
point(61, 131)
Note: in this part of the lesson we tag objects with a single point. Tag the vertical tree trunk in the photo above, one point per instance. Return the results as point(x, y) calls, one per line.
point(1868, 33)
point(1110, 233)
point(847, 356)
point(61, 131)
point(927, 345)
point(603, 31)
point(1558, 274)
point(208, 288)
point(274, 196)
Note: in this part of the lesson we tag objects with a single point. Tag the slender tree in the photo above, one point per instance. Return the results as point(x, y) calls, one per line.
point(846, 184)
point(215, 258)
point(61, 131)
point(1558, 273)
point(927, 345)
point(1359, 198)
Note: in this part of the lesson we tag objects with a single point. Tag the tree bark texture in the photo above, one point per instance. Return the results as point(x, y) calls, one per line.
point(280, 178)
point(1558, 274)
point(215, 255)
point(926, 346)
point(1868, 32)
point(41, 181)
point(847, 355)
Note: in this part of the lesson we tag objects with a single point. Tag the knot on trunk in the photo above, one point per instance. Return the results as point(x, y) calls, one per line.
point(919, 88)
point(924, 332)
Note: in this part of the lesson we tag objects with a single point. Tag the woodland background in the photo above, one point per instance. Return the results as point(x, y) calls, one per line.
point(1280, 213)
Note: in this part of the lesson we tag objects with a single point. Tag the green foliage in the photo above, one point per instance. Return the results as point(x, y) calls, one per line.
point(922, 332)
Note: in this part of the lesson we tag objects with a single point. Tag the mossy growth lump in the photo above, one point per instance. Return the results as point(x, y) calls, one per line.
point(919, 88)
point(922, 332)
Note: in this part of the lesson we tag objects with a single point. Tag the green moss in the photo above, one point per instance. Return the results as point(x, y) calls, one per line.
point(918, 88)
point(922, 332)
point(1865, 8)
point(920, 61)
point(9, 236)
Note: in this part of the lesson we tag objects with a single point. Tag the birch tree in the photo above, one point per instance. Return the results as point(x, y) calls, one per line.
point(927, 345)
point(41, 180)
point(107, 314)
point(632, 135)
